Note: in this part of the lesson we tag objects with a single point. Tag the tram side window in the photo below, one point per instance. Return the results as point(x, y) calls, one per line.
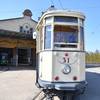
point(82, 37)
point(47, 44)
point(41, 38)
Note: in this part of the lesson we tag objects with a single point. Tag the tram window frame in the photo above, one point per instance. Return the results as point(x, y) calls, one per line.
point(82, 37)
point(48, 20)
point(41, 38)
point(66, 19)
point(70, 43)
point(47, 37)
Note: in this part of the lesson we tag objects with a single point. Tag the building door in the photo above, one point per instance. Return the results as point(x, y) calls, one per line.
point(6, 54)
point(22, 56)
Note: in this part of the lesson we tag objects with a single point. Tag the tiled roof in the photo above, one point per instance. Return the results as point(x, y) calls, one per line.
point(16, 19)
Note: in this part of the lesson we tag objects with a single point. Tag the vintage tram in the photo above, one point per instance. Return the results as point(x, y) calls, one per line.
point(60, 52)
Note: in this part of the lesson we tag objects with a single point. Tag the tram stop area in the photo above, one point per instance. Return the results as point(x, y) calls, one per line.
point(19, 84)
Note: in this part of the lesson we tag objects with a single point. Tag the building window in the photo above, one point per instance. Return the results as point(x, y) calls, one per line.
point(24, 31)
point(31, 30)
point(21, 29)
point(26, 27)
point(27, 32)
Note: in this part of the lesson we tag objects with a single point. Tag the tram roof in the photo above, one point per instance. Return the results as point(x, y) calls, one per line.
point(50, 13)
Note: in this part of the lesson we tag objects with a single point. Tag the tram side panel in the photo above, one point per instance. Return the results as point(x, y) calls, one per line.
point(45, 66)
point(82, 66)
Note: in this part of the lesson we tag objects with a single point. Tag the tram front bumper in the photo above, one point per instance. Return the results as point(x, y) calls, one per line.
point(70, 86)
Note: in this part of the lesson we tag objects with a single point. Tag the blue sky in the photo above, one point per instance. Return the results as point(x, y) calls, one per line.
point(91, 9)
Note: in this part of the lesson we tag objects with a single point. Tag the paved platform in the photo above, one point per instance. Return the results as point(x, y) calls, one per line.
point(19, 84)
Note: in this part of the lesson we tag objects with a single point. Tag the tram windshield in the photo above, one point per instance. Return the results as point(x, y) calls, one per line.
point(65, 36)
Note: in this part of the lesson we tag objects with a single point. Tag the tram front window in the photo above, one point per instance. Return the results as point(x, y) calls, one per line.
point(65, 19)
point(65, 36)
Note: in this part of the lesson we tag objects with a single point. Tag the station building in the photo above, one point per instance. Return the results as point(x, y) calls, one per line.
point(16, 40)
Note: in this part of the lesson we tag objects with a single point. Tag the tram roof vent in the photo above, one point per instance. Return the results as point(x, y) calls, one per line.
point(52, 7)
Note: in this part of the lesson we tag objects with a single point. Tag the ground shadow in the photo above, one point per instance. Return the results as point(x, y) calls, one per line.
point(92, 65)
point(93, 88)
point(14, 68)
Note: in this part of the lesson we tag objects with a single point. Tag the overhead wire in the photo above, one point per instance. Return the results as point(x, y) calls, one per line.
point(60, 4)
point(59, 1)
point(52, 3)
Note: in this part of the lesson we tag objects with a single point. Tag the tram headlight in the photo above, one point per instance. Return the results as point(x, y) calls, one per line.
point(67, 69)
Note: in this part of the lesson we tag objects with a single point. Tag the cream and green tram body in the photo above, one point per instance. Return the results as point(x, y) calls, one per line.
point(60, 51)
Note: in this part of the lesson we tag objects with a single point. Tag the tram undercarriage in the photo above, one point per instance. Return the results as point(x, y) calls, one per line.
point(52, 94)
point(65, 91)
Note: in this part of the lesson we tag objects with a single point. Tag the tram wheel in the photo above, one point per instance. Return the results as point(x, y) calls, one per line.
point(49, 98)
point(66, 97)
